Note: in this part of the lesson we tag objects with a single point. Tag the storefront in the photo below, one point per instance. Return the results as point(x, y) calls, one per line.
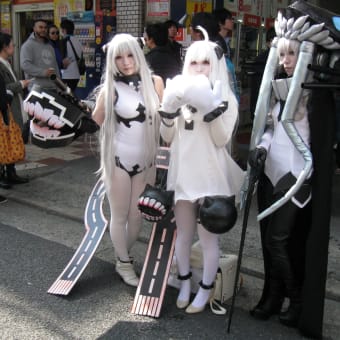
point(95, 23)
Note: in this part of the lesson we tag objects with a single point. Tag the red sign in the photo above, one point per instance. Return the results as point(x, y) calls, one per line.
point(180, 34)
point(269, 23)
point(252, 20)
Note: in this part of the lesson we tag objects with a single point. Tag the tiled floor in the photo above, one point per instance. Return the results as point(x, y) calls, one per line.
point(36, 157)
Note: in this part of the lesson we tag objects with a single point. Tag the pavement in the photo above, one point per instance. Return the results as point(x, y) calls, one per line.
point(48, 212)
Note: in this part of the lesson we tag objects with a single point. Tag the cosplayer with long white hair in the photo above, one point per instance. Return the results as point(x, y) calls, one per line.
point(126, 110)
point(291, 153)
point(199, 112)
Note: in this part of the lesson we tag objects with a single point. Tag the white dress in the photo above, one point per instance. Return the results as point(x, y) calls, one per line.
point(198, 167)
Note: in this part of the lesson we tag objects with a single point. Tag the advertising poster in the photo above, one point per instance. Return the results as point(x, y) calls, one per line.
point(63, 7)
point(5, 17)
point(158, 8)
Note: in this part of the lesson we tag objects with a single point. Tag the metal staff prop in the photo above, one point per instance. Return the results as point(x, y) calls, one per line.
point(253, 176)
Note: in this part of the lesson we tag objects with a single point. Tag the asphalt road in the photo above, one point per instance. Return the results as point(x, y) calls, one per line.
point(41, 225)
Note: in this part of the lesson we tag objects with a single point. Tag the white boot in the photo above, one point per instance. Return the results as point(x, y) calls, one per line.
point(127, 273)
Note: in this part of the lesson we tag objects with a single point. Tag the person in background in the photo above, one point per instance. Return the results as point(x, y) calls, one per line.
point(225, 21)
point(200, 164)
point(16, 87)
point(160, 58)
point(54, 39)
point(70, 73)
point(175, 46)
point(4, 102)
point(37, 58)
point(126, 111)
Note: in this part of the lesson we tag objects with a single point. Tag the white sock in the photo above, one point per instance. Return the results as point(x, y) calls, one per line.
point(185, 213)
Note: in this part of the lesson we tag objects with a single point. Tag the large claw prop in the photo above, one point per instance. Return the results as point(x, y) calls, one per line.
point(300, 75)
point(154, 203)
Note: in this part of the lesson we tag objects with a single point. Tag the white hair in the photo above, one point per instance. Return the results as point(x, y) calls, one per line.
point(204, 50)
point(284, 45)
point(121, 44)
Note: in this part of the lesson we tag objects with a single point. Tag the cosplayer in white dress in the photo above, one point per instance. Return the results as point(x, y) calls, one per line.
point(126, 110)
point(199, 128)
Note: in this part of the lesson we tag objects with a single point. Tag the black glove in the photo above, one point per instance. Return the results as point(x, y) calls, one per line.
point(256, 158)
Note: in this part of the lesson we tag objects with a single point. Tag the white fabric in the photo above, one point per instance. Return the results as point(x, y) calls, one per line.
point(283, 157)
point(199, 168)
point(72, 71)
point(130, 140)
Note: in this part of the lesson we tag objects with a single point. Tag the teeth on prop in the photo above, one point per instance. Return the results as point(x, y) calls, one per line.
point(46, 115)
point(141, 199)
point(294, 35)
point(157, 205)
point(163, 211)
point(334, 46)
point(290, 23)
point(277, 28)
point(328, 41)
point(283, 24)
point(146, 200)
point(31, 109)
point(319, 36)
point(38, 111)
point(310, 32)
point(152, 202)
point(305, 27)
point(299, 22)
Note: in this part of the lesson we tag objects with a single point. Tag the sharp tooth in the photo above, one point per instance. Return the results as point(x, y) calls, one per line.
point(146, 200)
point(46, 114)
point(152, 202)
point(38, 111)
point(157, 205)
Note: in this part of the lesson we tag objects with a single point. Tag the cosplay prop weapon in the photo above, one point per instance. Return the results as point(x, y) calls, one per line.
point(253, 176)
point(154, 277)
point(310, 32)
point(314, 28)
point(57, 116)
point(95, 225)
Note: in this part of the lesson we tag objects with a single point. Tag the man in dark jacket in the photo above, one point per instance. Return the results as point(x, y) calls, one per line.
point(161, 58)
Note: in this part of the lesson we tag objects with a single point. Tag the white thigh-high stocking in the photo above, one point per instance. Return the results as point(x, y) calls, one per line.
point(185, 214)
point(210, 250)
point(135, 218)
point(119, 199)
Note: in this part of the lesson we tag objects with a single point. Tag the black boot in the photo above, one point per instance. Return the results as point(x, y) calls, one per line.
point(4, 184)
point(12, 176)
point(271, 304)
point(291, 316)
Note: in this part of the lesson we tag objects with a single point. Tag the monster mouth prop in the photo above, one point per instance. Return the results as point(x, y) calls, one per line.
point(55, 118)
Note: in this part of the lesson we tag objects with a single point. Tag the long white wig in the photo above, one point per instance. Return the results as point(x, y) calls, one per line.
point(204, 50)
point(121, 44)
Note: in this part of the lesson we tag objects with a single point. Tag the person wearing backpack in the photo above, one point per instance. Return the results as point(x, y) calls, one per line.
point(72, 52)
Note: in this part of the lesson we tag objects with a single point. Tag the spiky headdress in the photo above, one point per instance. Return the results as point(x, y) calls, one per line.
point(316, 26)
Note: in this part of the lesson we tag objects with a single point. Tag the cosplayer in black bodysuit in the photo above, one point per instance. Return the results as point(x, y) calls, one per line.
point(297, 148)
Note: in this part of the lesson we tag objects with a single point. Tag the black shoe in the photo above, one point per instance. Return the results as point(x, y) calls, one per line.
point(13, 178)
point(264, 310)
point(4, 184)
point(290, 317)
